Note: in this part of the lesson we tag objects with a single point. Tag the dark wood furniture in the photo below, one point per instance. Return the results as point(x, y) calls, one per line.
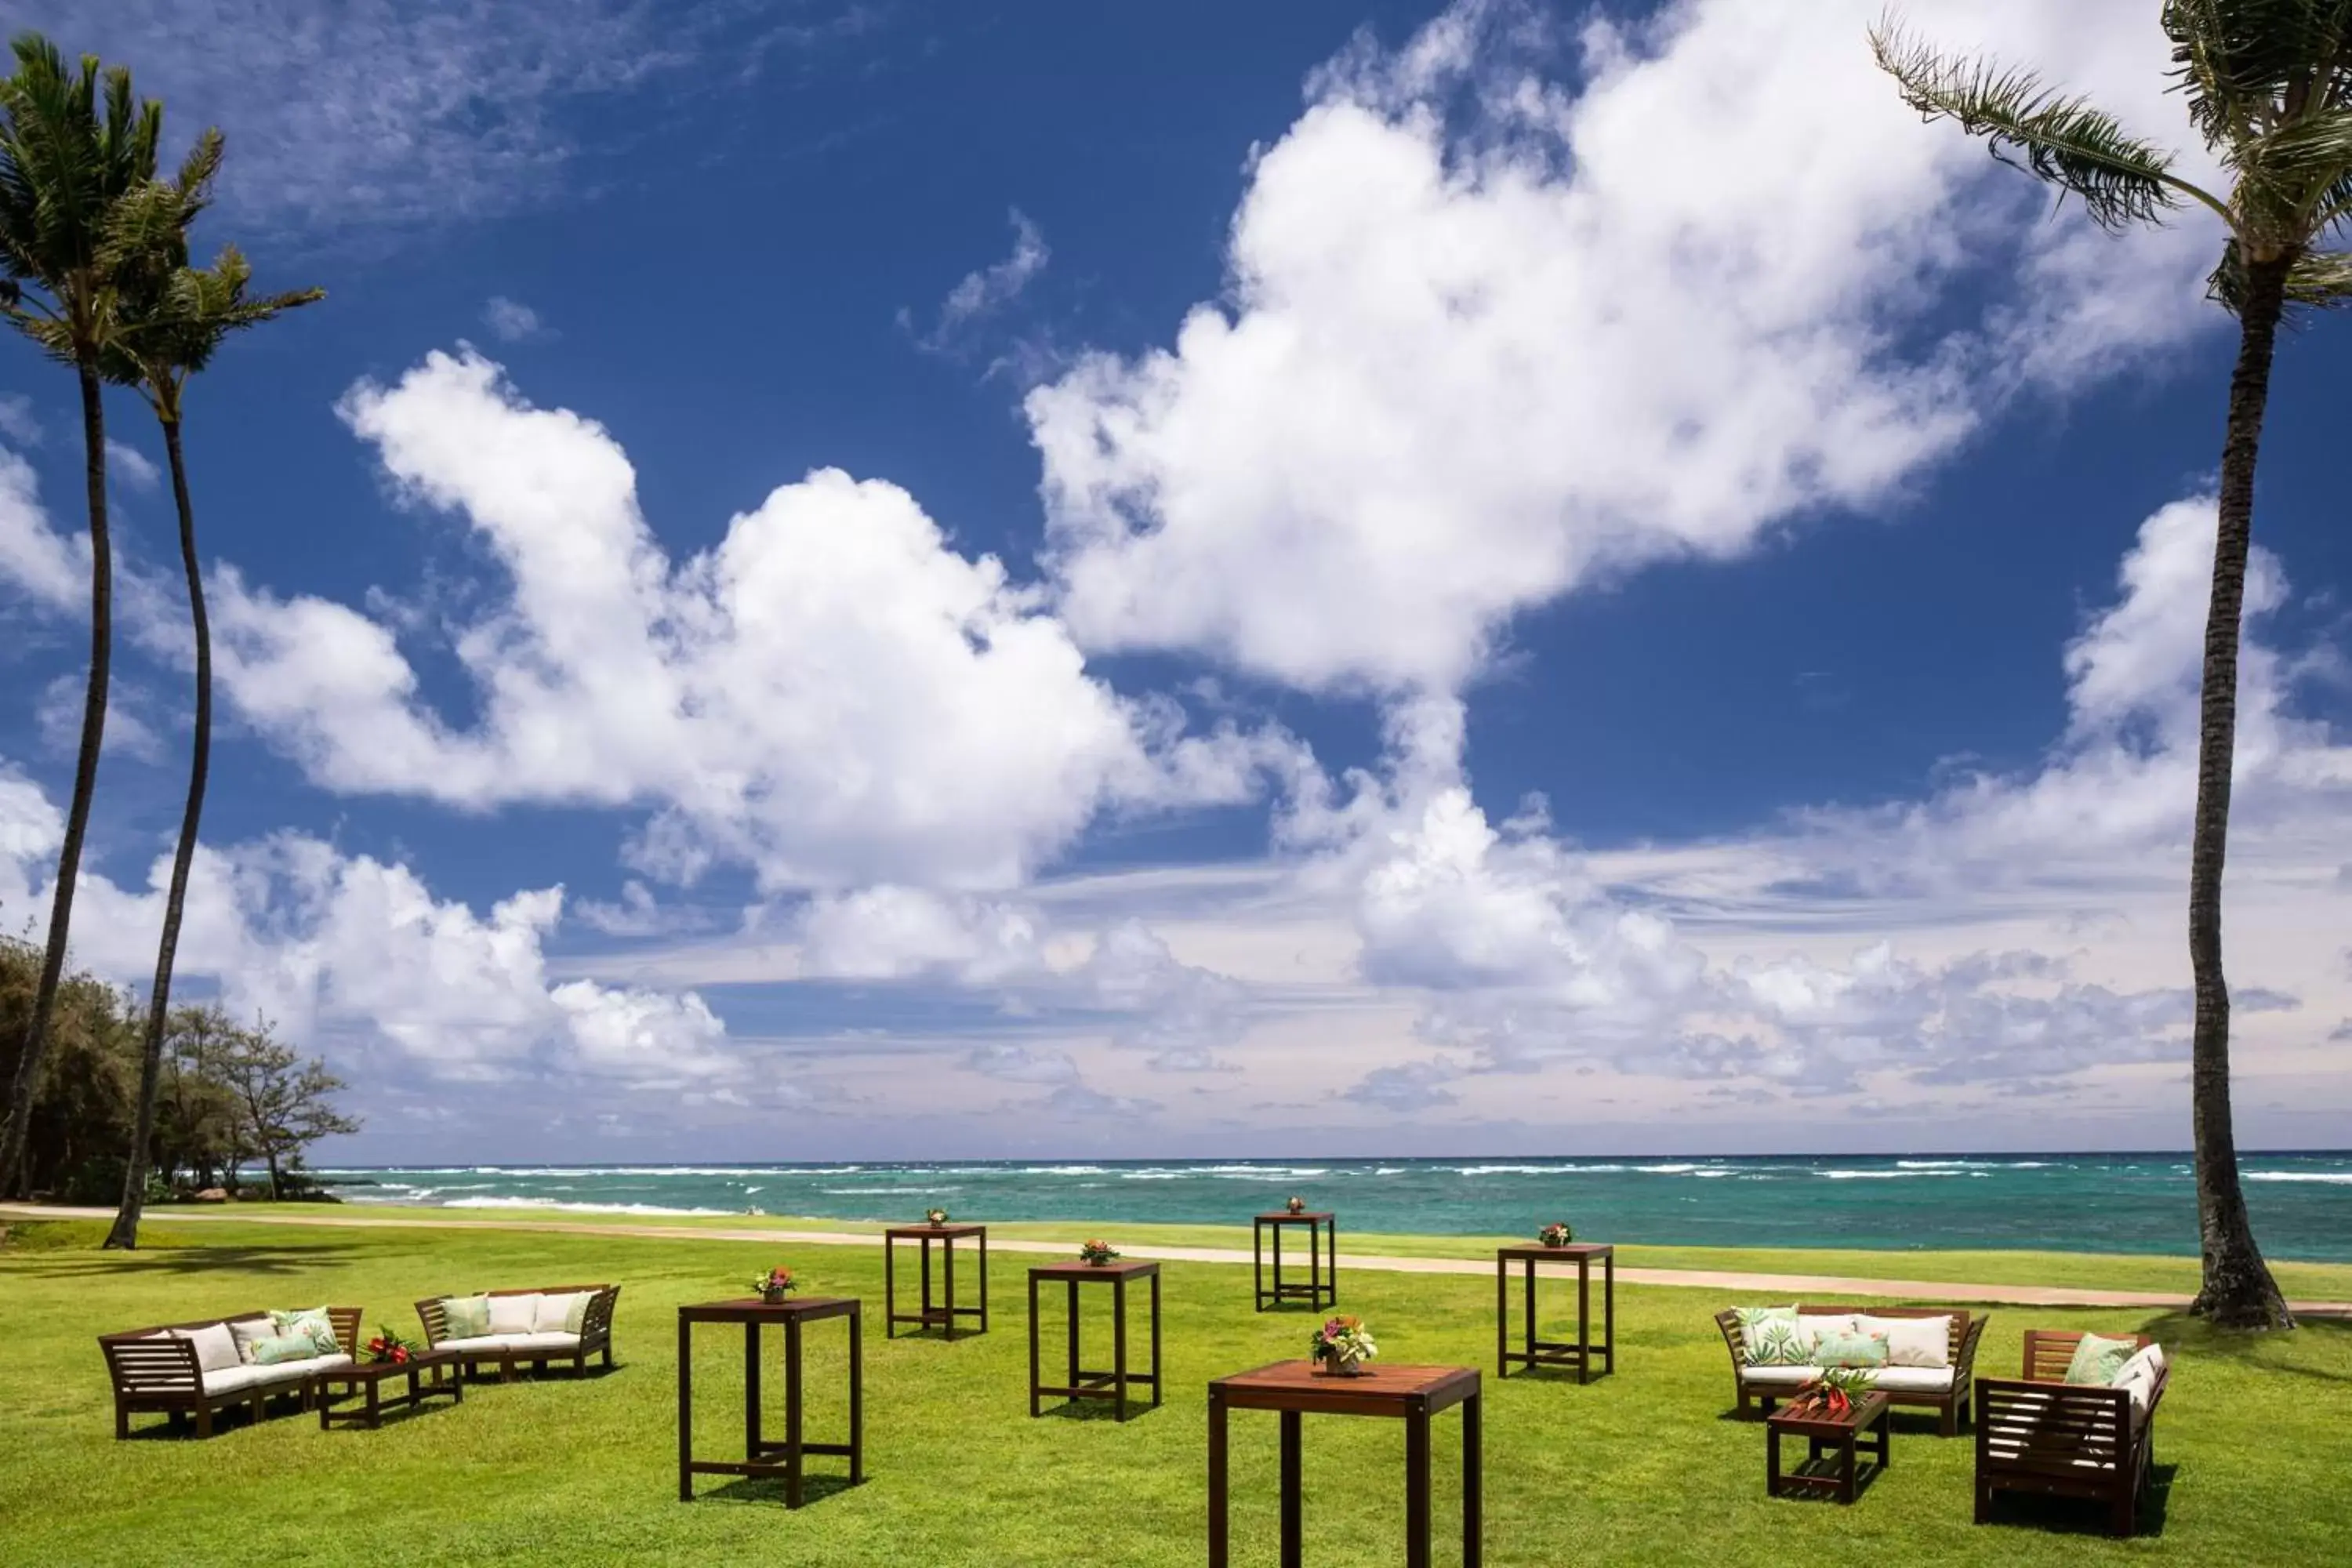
point(1833, 1437)
point(160, 1375)
point(761, 1457)
point(595, 1337)
point(1079, 1383)
point(1950, 1401)
point(945, 1313)
point(2039, 1434)
point(1322, 1285)
point(364, 1379)
point(1410, 1393)
point(1535, 1352)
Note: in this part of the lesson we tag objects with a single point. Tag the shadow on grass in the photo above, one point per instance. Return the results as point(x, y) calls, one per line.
point(257, 1260)
point(2079, 1516)
point(152, 1427)
point(2182, 1334)
point(770, 1489)
point(1138, 1406)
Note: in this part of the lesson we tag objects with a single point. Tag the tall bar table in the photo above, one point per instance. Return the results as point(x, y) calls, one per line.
point(760, 1457)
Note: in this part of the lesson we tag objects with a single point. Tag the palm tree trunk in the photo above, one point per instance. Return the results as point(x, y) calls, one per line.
point(125, 1232)
point(26, 1088)
point(2238, 1291)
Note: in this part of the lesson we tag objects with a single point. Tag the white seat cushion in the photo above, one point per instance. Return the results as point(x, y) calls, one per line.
point(1911, 1379)
point(1913, 1341)
point(246, 1379)
point(1779, 1376)
point(513, 1314)
point(553, 1340)
point(480, 1344)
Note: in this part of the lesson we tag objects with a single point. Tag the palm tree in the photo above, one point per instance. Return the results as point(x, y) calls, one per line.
point(2268, 85)
point(170, 319)
point(68, 154)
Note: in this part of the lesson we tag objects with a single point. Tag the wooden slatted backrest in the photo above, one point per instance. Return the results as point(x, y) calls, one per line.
point(1733, 1335)
point(347, 1328)
point(597, 1321)
point(436, 1319)
point(2052, 1429)
point(2049, 1351)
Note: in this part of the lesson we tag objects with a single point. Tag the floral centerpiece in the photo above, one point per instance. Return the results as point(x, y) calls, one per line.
point(1341, 1346)
point(388, 1346)
point(1555, 1235)
point(937, 1217)
point(1296, 1206)
point(1831, 1397)
point(1098, 1252)
point(774, 1285)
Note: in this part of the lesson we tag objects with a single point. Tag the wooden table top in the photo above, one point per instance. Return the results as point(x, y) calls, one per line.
point(1131, 1269)
point(375, 1369)
point(1281, 1216)
point(1568, 1254)
point(1382, 1389)
point(752, 1310)
point(1866, 1407)
point(901, 1232)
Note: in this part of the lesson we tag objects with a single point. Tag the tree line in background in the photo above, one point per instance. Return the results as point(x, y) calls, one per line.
point(227, 1095)
point(95, 269)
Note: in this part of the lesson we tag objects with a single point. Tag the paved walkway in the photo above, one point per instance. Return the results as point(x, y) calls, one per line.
point(1814, 1286)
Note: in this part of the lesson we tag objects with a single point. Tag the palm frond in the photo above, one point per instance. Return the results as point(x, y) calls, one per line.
point(2321, 280)
point(2249, 66)
point(2064, 141)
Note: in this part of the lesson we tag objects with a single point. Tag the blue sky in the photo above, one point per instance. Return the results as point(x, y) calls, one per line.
point(1320, 578)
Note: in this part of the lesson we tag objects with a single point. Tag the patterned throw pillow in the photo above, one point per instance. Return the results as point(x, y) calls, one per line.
point(2096, 1360)
point(284, 1347)
point(465, 1317)
point(1768, 1335)
point(1859, 1349)
point(314, 1322)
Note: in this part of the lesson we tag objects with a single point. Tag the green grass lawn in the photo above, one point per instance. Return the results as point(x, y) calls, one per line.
point(2254, 1448)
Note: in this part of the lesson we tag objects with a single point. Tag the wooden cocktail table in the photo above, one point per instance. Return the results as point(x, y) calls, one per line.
point(1081, 1384)
point(1322, 1285)
point(946, 1314)
point(1579, 1353)
point(365, 1380)
point(1825, 1436)
point(760, 1457)
point(1410, 1394)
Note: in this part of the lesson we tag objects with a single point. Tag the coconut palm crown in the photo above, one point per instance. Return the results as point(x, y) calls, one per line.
point(2268, 87)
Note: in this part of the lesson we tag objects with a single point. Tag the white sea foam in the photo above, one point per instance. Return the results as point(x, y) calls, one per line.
point(1880, 1175)
point(2332, 1178)
point(1063, 1171)
point(879, 1192)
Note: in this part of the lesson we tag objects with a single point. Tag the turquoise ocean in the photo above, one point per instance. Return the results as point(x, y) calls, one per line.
point(2301, 1202)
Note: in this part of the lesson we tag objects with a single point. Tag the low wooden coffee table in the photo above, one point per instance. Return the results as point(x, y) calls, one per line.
point(365, 1380)
point(1833, 1437)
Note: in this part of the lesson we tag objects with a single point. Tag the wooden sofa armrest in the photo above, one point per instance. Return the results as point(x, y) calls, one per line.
point(1734, 1337)
point(2028, 1424)
point(596, 1322)
point(436, 1319)
point(347, 1321)
point(139, 1364)
point(1964, 1363)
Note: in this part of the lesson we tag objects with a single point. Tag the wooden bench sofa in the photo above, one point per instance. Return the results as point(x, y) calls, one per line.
point(2040, 1435)
point(1943, 1390)
point(164, 1370)
point(526, 1329)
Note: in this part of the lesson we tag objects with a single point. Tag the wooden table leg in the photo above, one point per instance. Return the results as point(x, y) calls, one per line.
point(752, 1392)
point(1609, 1312)
point(1257, 1261)
point(1771, 1461)
point(1159, 1376)
point(889, 1287)
point(1315, 1263)
point(1583, 1319)
point(926, 1287)
point(1277, 1231)
point(1219, 1549)
point(1071, 1303)
point(946, 1268)
point(685, 1410)
point(983, 1280)
point(1034, 1409)
point(1527, 1274)
point(1293, 1501)
point(1333, 1240)
point(856, 1398)
point(1416, 1490)
point(792, 1464)
point(1118, 1342)
point(374, 1403)
point(1845, 1467)
point(1502, 1318)
point(1472, 1479)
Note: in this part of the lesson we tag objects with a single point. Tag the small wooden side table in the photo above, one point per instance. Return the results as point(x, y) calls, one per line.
point(364, 1379)
point(1412, 1394)
point(1322, 1285)
point(760, 1457)
point(1827, 1435)
point(1579, 1353)
point(944, 1313)
point(1081, 1384)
